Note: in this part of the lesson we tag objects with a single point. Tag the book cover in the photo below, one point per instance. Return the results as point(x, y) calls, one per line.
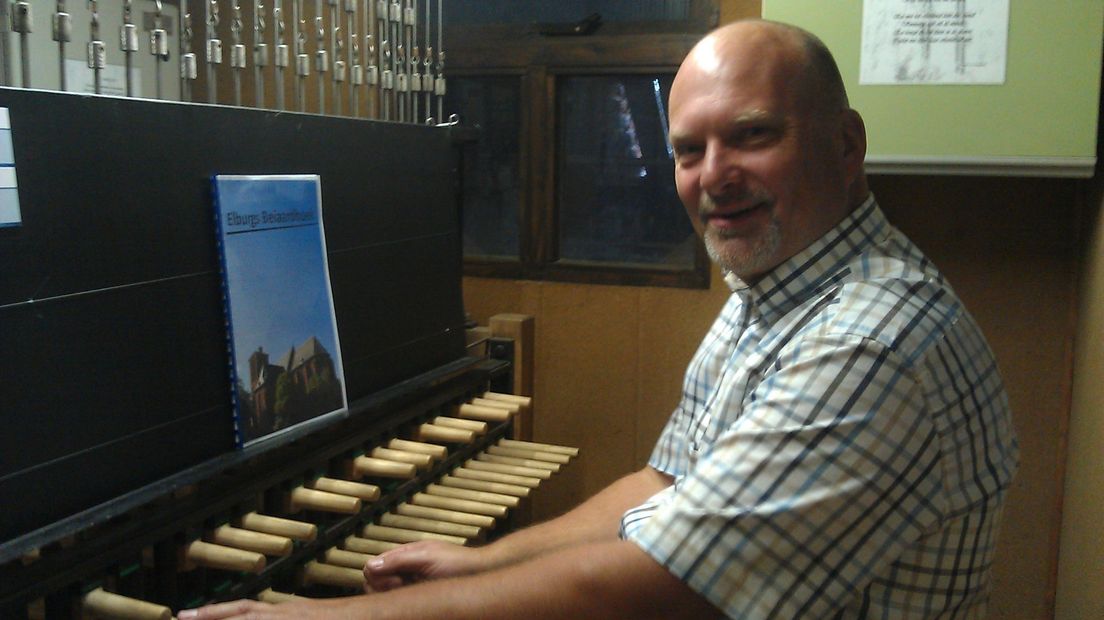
point(285, 357)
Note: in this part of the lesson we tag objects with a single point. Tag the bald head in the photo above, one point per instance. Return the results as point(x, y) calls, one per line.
point(805, 60)
point(768, 154)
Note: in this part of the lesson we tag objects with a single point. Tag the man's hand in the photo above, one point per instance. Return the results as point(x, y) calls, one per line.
point(317, 609)
point(420, 561)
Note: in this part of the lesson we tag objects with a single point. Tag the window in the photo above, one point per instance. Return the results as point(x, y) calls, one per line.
point(493, 186)
point(614, 170)
point(572, 175)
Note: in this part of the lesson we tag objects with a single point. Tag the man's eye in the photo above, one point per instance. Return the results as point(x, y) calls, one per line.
point(686, 151)
point(756, 134)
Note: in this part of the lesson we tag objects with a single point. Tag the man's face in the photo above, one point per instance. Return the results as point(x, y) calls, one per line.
point(760, 174)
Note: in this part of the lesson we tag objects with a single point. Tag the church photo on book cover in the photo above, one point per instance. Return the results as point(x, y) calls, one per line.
point(286, 358)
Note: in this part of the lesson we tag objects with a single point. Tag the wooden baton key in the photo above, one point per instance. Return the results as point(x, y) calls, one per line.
point(323, 501)
point(368, 546)
point(444, 434)
point(365, 492)
point(102, 604)
point(199, 553)
point(381, 468)
point(268, 544)
point(436, 451)
point(462, 504)
point(296, 530)
point(330, 575)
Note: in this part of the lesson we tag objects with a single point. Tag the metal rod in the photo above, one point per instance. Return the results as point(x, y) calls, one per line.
point(214, 50)
point(96, 59)
point(63, 33)
point(5, 43)
point(371, 71)
point(321, 55)
point(237, 50)
point(128, 44)
point(302, 62)
point(415, 61)
point(188, 67)
point(337, 44)
point(260, 53)
point(280, 49)
point(159, 47)
point(427, 77)
point(394, 31)
point(408, 19)
point(387, 73)
point(184, 45)
point(439, 82)
point(356, 73)
point(22, 25)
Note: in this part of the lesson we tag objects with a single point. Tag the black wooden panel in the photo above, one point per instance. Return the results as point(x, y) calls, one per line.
point(112, 340)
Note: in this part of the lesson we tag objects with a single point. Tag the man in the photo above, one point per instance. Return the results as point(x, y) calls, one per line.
point(843, 444)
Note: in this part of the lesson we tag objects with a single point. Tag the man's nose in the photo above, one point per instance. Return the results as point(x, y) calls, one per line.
point(720, 172)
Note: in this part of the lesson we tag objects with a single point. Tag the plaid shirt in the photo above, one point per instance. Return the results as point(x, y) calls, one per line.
point(843, 444)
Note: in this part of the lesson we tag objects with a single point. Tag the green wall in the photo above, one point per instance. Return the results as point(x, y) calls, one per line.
point(1044, 115)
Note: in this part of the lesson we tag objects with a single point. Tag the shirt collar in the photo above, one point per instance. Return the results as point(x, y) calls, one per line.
point(815, 268)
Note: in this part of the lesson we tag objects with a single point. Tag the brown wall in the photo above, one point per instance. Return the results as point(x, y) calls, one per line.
point(1080, 591)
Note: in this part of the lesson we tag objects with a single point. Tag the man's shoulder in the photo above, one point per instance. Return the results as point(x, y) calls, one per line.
point(901, 301)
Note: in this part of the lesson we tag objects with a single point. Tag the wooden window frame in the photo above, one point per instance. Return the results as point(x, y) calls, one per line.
point(538, 61)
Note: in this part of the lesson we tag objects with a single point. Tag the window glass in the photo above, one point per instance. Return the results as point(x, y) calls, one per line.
point(529, 11)
point(492, 187)
point(615, 173)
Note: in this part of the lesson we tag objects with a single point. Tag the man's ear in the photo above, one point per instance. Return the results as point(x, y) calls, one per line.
point(854, 143)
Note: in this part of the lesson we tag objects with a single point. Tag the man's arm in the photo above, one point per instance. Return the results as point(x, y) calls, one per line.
point(573, 566)
point(597, 519)
point(612, 579)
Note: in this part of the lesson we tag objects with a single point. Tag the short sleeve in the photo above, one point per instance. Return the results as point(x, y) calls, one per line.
point(830, 471)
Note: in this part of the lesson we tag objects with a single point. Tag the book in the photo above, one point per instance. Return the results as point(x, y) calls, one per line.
point(9, 189)
point(285, 355)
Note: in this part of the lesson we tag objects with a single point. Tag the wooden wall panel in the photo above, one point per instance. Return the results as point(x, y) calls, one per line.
point(672, 322)
point(1081, 555)
point(596, 407)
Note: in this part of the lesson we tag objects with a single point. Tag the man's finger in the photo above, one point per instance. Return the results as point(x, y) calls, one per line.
point(220, 610)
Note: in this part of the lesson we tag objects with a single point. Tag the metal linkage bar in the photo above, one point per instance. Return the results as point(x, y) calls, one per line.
point(128, 44)
point(371, 71)
point(439, 82)
point(62, 33)
point(282, 59)
point(189, 67)
point(337, 44)
point(302, 60)
point(260, 53)
point(427, 77)
point(97, 59)
point(159, 46)
point(237, 50)
point(356, 72)
point(321, 55)
point(214, 49)
point(21, 23)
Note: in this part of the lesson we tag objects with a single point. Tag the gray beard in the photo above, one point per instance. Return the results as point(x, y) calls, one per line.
point(754, 260)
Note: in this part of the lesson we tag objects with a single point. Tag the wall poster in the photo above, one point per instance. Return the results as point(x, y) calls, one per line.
point(934, 42)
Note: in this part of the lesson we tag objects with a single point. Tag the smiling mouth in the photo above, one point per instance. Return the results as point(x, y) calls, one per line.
point(729, 218)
